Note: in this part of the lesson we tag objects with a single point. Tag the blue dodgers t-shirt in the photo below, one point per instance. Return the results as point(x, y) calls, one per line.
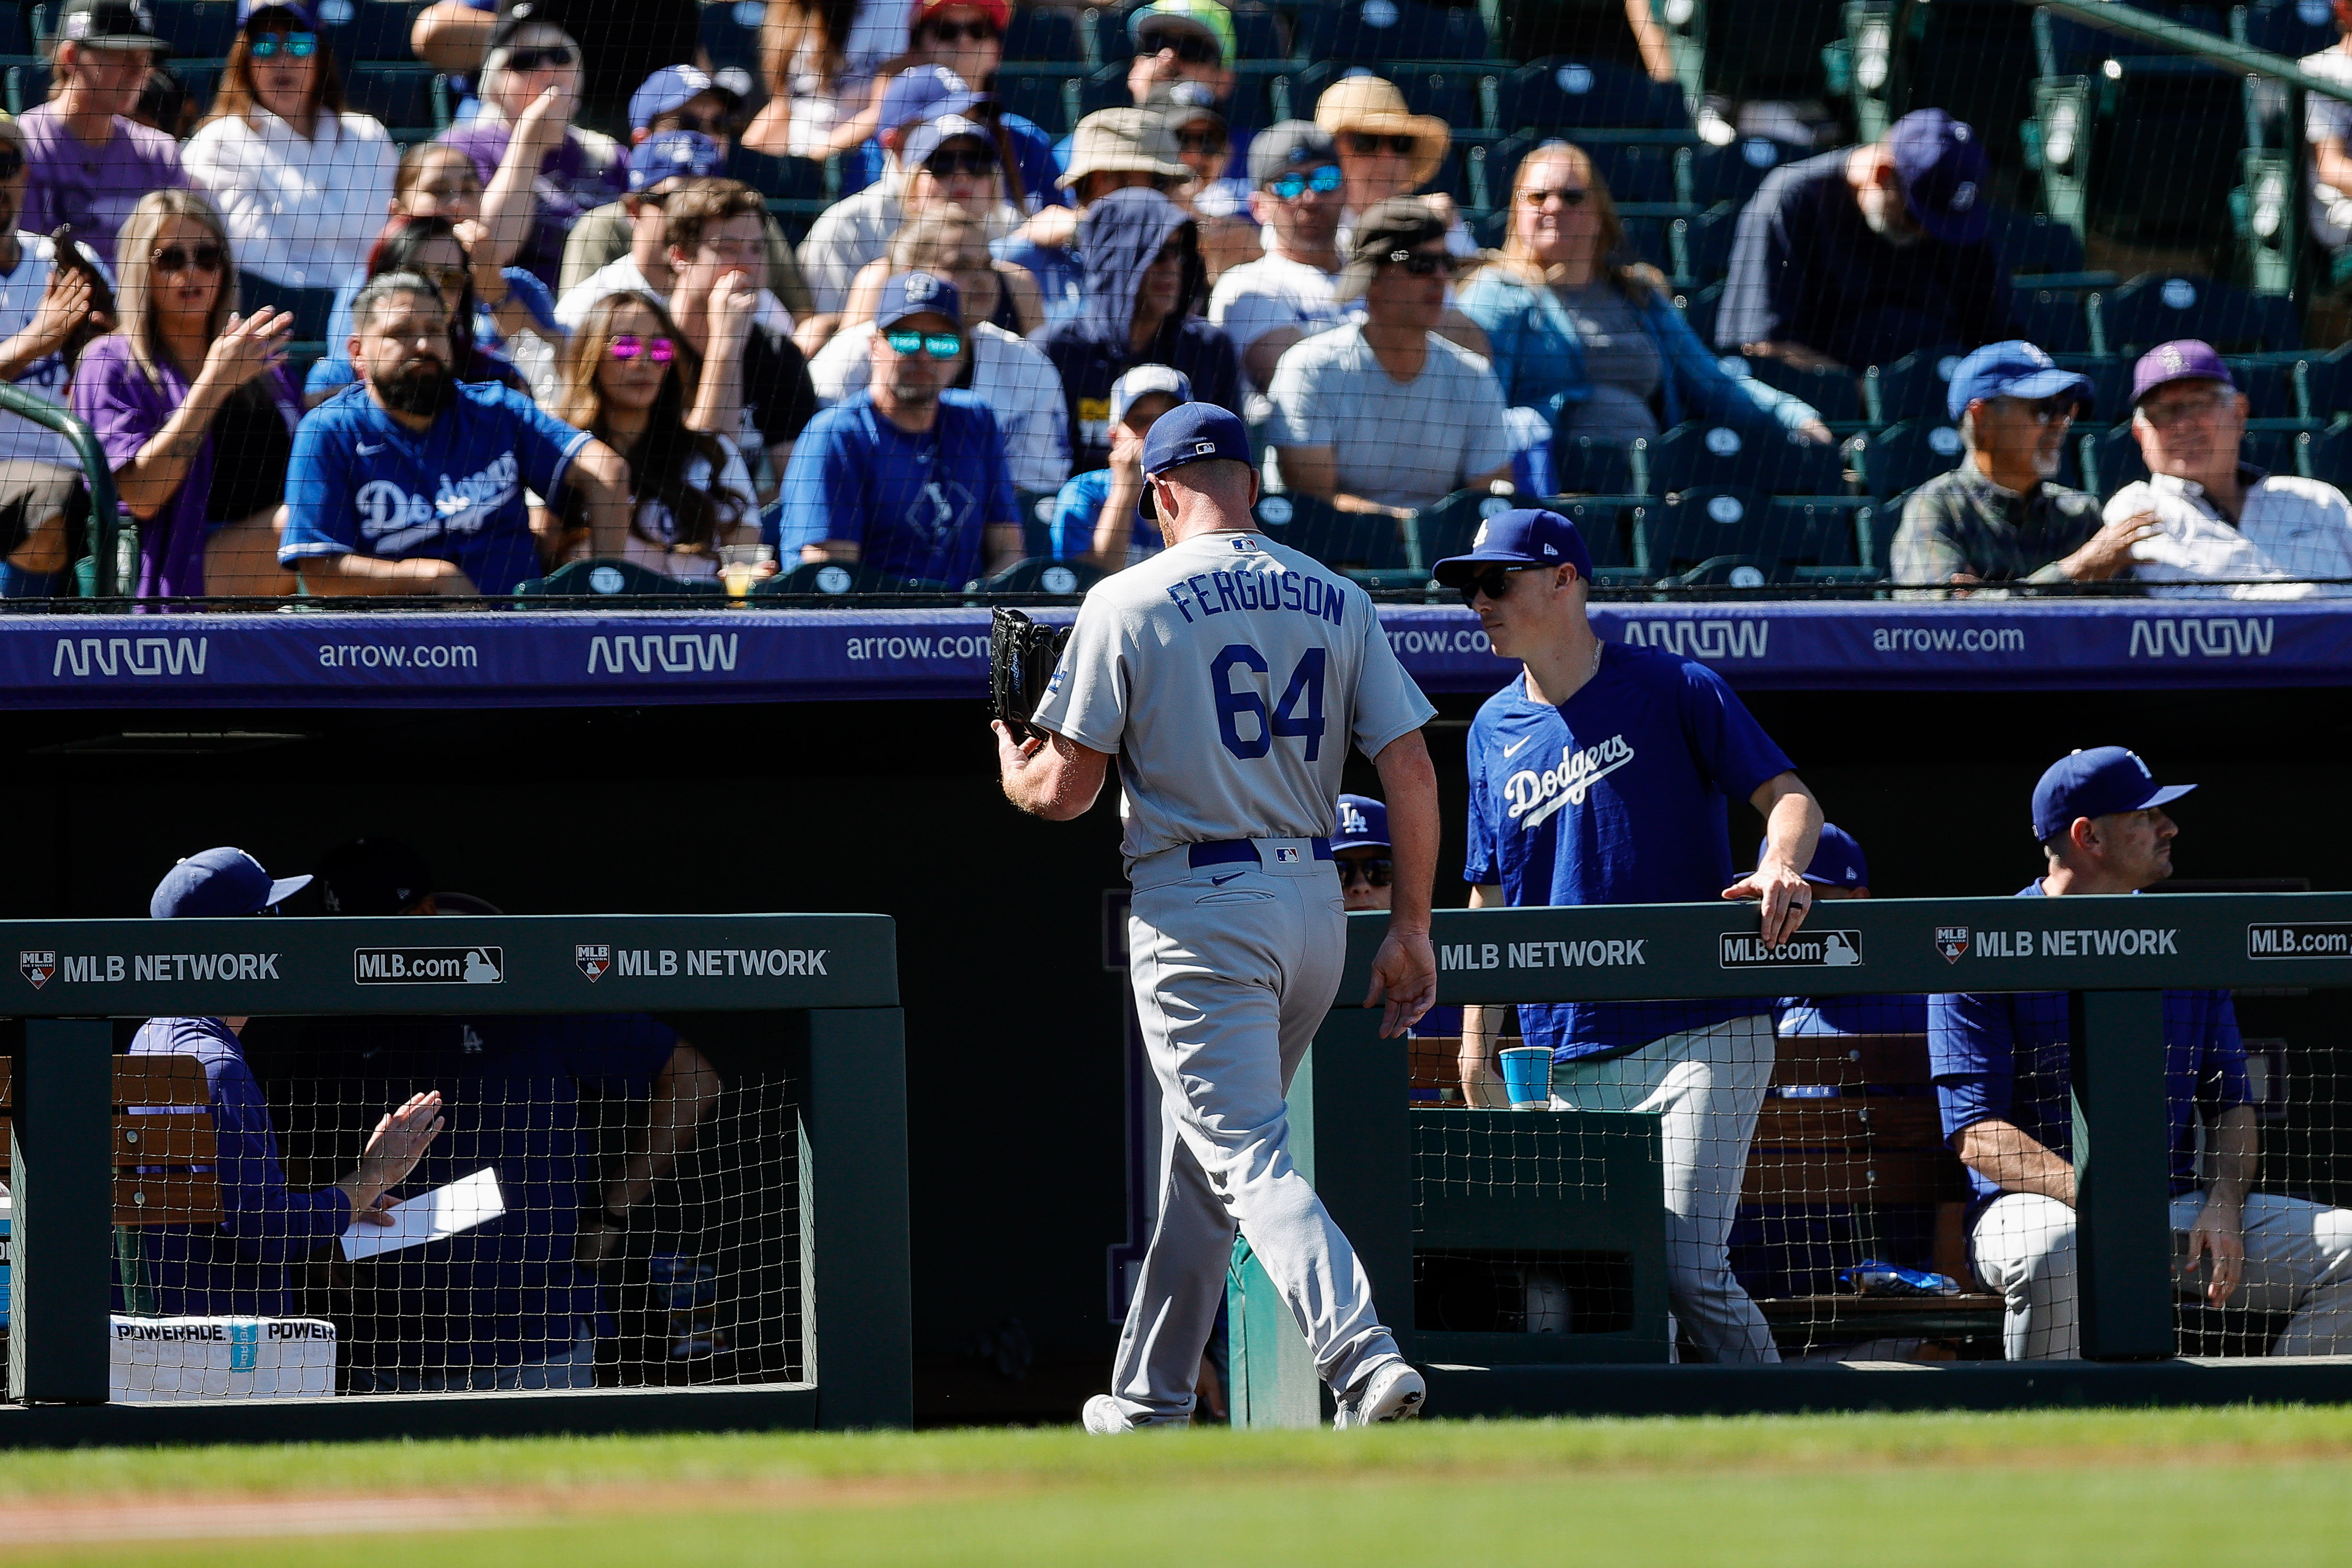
point(1617, 796)
point(1853, 1015)
point(918, 505)
point(361, 483)
point(2005, 1057)
point(1079, 508)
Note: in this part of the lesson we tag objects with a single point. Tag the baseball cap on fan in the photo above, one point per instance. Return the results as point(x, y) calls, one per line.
point(1205, 17)
point(304, 13)
point(917, 294)
point(1141, 382)
point(924, 93)
point(109, 25)
point(1941, 166)
point(1837, 860)
point(673, 155)
point(1529, 535)
point(2096, 783)
point(222, 882)
point(1364, 824)
point(2182, 359)
point(2014, 369)
point(671, 89)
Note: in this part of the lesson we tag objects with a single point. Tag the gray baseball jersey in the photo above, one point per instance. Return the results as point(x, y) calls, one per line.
point(1229, 675)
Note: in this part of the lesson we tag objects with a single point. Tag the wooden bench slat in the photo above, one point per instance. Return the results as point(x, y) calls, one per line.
point(1851, 1176)
point(1850, 1059)
point(169, 1197)
point(1879, 1121)
point(166, 1138)
point(160, 1081)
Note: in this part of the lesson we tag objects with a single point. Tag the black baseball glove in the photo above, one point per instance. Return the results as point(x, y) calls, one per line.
point(1021, 659)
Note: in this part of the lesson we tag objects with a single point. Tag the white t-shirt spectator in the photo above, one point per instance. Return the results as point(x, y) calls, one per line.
point(1401, 444)
point(845, 236)
point(21, 441)
point(1257, 297)
point(2290, 529)
point(624, 277)
point(654, 518)
point(1017, 381)
point(2323, 117)
point(302, 211)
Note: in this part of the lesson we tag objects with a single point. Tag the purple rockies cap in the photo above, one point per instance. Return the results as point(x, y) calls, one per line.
point(2096, 783)
point(1942, 168)
point(2183, 360)
point(220, 882)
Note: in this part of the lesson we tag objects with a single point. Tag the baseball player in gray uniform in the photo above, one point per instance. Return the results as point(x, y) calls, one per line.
point(1229, 676)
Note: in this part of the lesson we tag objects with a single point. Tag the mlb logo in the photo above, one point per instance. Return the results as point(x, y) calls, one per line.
point(1951, 941)
point(37, 966)
point(1285, 857)
point(593, 958)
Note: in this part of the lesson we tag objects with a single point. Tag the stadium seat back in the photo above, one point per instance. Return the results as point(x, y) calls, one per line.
point(2034, 243)
point(1046, 37)
point(2282, 450)
point(2329, 456)
point(1697, 525)
point(1039, 95)
point(2166, 154)
point(2111, 382)
point(1335, 537)
point(2115, 453)
point(28, 86)
point(1835, 395)
point(1604, 526)
point(1371, 30)
point(2327, 383)
point(2290, 27)
point(832, 579)
point(780, 179)
point(405, 98)
point(1043, 576)
point(380, 30)
point(614, 578)
point(1733, 173)
point(2269, 386)
point(1447, 527)
point(1699, 308)
point(2160, 308)
point(2077, 49)
point(1913, 387)
point(2053, 319)
point(1907, 455)
point(1651, 238)
point(196, 29)
point(1581, 465)
point(16, 30)
point(1760, 459)
point(1567, 95)
point(1703, 245)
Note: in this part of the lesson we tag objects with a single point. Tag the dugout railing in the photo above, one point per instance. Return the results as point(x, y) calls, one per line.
point(815, 997)
point(1412, 1179)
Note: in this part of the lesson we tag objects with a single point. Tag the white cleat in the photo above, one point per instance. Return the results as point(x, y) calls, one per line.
point(1103, 1417)
point(1394, 1391)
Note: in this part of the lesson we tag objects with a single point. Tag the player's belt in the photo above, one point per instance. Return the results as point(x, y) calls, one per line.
point(1227, 851)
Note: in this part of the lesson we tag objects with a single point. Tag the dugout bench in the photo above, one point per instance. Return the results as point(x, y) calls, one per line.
point(1415, 1184)
point(88, 1176)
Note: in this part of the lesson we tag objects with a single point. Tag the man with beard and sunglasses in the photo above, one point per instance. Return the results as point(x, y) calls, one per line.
point(906, 478)
point(1603, 774)
point(2000, 516)
point(412, 482)
point(1386, 415)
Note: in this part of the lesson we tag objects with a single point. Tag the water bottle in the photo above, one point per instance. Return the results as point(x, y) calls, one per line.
point(686, 1290)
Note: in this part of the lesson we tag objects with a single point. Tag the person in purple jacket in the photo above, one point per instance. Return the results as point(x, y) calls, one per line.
point(183, 378)
point(237, 1267)
point(91, 161)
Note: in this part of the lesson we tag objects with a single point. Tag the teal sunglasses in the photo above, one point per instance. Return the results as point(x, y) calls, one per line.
point(939, 345)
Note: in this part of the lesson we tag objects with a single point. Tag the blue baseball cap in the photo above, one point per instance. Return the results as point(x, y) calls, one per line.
point(2013, 369)
point(669, 90)
point(1364, 824)
point(220, 882)
point(301, 10)
point(924, 93)
point(932, 135)
point(1838, 860)
point(2096, 783)
point(917, 294)
point(1141, 382)
point(1193, 433)
point(1941, 166)
point(1529, 535)
point(674, 155)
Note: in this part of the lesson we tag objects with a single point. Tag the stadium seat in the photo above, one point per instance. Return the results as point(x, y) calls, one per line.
point(1699, 308)
point(1257, 35)
point(1043, 575)
point(1834, 394)
point(1703, 245)
point(1913, 387)
point(1566, 95)
point(26, 85)
point(2033, 243)
point(1907, 455)
point(2268, 384)
point(1581, 465)
point(1607, 533)
point(2329, 456)
point(1651, 238)
point(16, 30)
point(779, 179)
point(2326, 384)
point(1371, 30)
point(2158, 307)
point(832, 579)
point(1733, 173)
point(196, 29)
point(1762, 460)
point(2290, 27)
point(2111, 379)
point(411, 99)
point(1034, 33)
point(1335, 537)
point(621, 579)
point(1044, 96)
point(1726, 528)
point(2165, 137)
point(1446, 528)
point(2053, 319)
point(378, 30)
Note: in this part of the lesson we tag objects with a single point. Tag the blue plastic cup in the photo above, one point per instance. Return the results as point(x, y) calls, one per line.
point(1526, 1076)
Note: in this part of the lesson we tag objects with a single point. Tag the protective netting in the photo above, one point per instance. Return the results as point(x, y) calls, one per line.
point(1698, 275)
point(608, 1204)
point(1873, 1178)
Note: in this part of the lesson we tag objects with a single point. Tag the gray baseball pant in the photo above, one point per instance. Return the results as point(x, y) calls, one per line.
point(1707, 1085)
point(1234, 966)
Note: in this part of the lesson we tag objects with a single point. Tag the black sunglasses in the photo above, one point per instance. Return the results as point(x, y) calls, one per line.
point(979, 31)
point(176, 258)
point(1372, 872)
point(1493, 583)
point(1420, 264)
point(554, 57)
point(979, 165)
point(1189, 46)
point(1364, 146)
point(1201, 141)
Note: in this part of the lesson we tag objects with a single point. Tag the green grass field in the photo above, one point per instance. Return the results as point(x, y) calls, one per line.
point(2266, 1486)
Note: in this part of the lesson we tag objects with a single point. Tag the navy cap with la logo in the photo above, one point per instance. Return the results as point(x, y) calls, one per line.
point(2096, 783)
point(1531, 536)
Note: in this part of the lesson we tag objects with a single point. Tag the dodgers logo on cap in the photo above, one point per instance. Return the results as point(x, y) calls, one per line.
point(921, 285)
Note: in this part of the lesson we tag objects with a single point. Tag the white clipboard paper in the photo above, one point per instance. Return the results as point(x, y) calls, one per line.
point(445, 1210)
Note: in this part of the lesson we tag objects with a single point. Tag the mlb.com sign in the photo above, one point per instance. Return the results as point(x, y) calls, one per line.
point(86, 657)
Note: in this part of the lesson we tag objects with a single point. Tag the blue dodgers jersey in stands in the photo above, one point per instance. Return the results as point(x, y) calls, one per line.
point(1852, 1015)
point(505, 1293)
point(2005, 1057)
point(1617, 796)
point(919, 505)
point(361, 483)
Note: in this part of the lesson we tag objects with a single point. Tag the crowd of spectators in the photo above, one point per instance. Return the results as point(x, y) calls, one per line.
point(1306, 273)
